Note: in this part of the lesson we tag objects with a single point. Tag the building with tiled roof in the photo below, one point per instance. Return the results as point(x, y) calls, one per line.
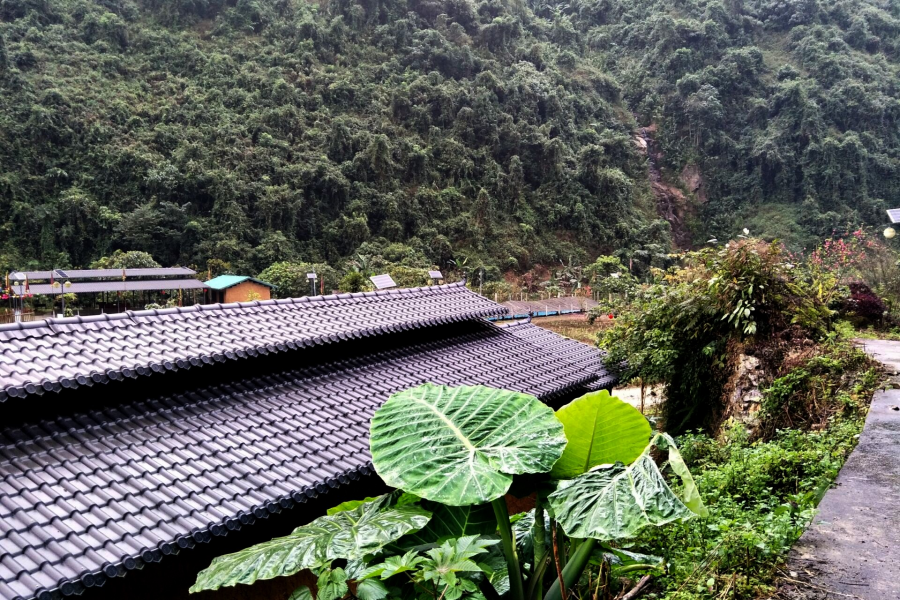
point(127, 439)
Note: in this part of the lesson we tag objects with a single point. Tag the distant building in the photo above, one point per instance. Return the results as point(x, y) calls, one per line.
point(101, 291)
point(238, 288)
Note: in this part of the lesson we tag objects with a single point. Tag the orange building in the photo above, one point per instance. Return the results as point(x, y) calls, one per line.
point(238, 288)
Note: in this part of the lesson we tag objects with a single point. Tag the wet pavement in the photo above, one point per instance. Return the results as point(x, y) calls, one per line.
point(852, 547)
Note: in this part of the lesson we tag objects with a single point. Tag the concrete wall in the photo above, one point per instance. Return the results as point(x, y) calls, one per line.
point(242, 291)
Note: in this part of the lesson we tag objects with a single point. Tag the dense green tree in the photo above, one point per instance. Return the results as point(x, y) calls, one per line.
point(132, 259)
point(260, 131)
point(268, 130)
point(290, 279)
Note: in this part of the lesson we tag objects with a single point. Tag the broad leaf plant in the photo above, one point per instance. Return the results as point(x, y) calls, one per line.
point(453, 454)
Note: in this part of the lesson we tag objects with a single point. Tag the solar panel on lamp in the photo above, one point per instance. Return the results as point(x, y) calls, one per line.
point(435, 274)
point(383, 282)
point(894, 215)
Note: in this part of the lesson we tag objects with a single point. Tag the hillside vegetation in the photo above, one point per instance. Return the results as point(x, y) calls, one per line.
point(256, 131)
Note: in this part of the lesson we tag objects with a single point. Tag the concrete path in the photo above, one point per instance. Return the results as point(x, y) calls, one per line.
point(852, 548)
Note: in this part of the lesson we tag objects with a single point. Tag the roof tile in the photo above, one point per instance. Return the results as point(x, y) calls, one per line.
point(151, 473)
point(65, 352)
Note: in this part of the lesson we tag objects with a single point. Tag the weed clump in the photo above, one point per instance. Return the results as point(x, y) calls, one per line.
point(761, 496)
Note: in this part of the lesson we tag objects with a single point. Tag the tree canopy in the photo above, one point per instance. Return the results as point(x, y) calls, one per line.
point(250, 132)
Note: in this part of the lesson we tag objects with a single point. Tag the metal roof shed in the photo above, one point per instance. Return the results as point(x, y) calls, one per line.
point(223, 282)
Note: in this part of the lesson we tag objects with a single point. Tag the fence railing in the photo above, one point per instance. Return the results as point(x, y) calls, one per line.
point(533, 296)
point(23, 317)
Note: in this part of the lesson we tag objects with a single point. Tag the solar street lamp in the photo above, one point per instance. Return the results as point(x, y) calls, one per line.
point(312, 283)
point(62, 294)
point(894, 215)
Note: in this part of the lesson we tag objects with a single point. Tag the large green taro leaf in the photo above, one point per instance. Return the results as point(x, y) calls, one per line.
point(601, 429)
point(349, 534)
point(690, 495)
point(461, 446)
point(448, 522)
point(616, 501)
point(523, 529)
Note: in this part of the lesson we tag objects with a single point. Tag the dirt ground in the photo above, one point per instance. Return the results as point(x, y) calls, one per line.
point(852, 548)
point(575, 326)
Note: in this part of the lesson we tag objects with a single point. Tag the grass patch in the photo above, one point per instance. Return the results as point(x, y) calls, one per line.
point(576, 327)
point(875, 334)
point(761, 497)
point(761, 494)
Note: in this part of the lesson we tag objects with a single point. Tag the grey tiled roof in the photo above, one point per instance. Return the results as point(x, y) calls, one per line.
point(66, 353)
point(587, 358)
point(89, 495)
point(97, 483)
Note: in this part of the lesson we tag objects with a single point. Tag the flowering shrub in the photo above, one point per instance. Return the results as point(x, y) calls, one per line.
point(830, 266)
point(864, 304)
point(841, 255)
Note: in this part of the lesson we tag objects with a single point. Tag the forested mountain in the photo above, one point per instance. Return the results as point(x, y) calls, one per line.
point(252, 131)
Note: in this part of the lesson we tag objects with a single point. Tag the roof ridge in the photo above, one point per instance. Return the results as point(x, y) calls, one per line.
point(130, 314)
point(69, 356)
point(515, 322)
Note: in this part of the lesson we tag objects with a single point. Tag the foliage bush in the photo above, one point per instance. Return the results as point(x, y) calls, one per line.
point(761, 496)
point(133, 259)
point(354, 281)
point(865, 306)
point(834, 378)
point(290, 279)
point(686, 328)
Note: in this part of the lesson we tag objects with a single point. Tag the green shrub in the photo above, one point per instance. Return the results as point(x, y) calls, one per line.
point(686, 328)
point(354, 281)
point(290, 279)
point(761, 496)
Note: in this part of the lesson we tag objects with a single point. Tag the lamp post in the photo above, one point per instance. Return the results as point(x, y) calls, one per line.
point(18, 301)
point(62, 293)
point(312, 283)
point(894, 215)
